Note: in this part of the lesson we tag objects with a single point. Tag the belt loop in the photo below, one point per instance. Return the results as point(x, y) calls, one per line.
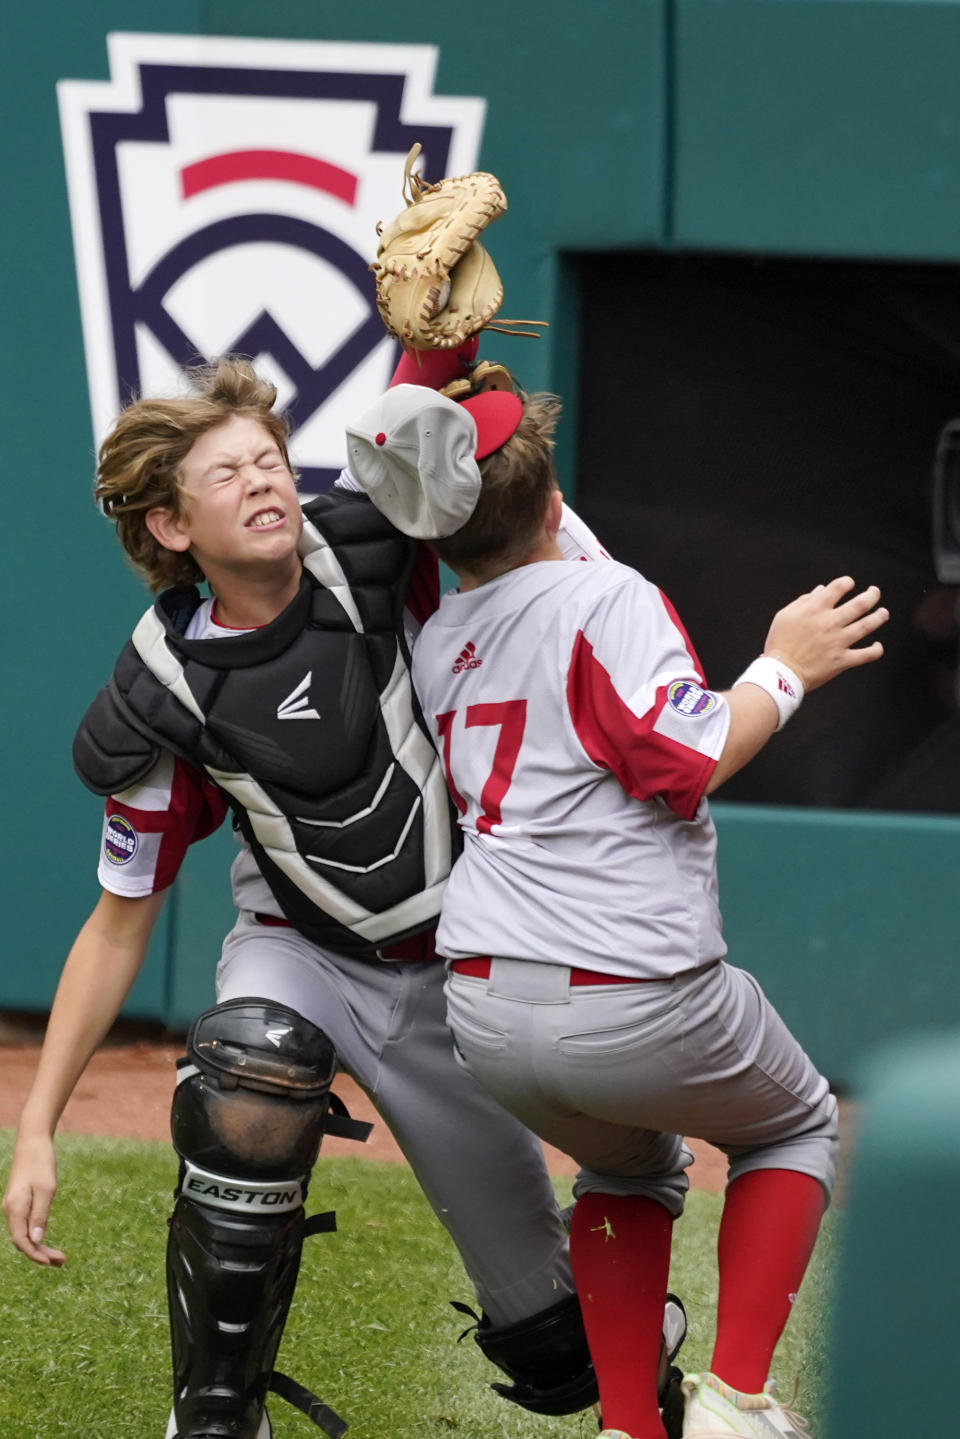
point(531, 980)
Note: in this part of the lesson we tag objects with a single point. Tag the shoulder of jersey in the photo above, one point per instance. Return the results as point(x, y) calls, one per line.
point(575, 582)
point(599, 577)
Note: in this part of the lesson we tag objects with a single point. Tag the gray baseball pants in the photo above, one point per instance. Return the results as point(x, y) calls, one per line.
point(614, 1074)
point(482, 1172)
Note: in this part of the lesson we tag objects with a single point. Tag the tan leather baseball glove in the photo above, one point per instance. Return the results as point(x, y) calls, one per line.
point(436, 284)
point(484, 375)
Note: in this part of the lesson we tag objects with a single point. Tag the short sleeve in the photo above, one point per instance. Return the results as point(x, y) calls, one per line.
point(148, 828)
point(638, 699)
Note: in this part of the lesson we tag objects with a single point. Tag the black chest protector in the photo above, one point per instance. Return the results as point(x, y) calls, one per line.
point(311, 728)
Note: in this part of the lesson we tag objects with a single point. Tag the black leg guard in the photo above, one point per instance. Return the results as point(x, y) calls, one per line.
point(247, 1120)
point(230, 1280)
point(545, 1357)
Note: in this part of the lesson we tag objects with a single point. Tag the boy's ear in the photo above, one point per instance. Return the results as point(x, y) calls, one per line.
point(167, 529)
point(554, 512)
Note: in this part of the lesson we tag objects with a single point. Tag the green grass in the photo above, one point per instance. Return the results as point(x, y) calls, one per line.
point(84, 1350)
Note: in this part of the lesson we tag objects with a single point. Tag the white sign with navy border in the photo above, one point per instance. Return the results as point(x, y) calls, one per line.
point(224, 196)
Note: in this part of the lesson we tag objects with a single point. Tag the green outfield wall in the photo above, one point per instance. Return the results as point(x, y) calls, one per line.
point(900, 1263)
point(827, 128)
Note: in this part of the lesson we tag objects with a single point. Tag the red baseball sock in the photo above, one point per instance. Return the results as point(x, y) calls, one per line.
point(620, 1253)
point(767, 1233)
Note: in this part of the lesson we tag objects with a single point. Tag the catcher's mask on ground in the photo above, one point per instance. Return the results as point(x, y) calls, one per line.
point(415, 453)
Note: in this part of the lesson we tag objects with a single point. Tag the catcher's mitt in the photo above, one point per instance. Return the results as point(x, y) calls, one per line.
point(484, 375)
point(436, 284)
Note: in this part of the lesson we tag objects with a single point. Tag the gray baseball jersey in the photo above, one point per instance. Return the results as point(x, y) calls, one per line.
point(578, 738)
point(572, 719)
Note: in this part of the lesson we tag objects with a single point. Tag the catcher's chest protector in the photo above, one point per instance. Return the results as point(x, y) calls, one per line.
point(311, 727)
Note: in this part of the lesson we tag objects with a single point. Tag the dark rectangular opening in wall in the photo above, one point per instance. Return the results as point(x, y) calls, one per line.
point(750, 429)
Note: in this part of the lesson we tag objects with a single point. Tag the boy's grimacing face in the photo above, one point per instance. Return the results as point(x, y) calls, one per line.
point(239, 501)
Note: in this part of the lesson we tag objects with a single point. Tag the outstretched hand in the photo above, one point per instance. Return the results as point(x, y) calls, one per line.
point(819, 634)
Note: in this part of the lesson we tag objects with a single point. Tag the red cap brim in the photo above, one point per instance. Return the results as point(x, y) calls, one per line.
point(496, 413)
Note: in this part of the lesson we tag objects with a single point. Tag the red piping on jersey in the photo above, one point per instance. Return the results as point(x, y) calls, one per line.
point(235, 629)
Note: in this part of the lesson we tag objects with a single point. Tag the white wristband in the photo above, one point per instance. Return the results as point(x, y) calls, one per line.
point(779, 681)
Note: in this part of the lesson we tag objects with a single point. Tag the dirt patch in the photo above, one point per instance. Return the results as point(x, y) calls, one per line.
point(126, 1091)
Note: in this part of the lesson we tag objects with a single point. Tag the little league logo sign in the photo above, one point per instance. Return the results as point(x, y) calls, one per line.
point(224, 196)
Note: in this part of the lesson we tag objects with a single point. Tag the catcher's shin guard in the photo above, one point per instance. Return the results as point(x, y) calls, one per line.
point(548, 1361)
point(230, 1281)
point(248, 1115)
point(545, 1357)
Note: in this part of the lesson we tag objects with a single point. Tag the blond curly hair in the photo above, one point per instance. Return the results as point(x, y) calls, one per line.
point(138, 466)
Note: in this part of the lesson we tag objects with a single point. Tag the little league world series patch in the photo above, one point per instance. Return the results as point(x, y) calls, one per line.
point(687, 698)
point(225, 196)
point(120, 840)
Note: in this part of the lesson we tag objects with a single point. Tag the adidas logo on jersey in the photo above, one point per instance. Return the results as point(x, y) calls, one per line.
point(467, 659)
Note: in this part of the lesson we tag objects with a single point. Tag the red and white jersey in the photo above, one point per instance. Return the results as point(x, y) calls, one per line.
point(578, 739)
point(148, 828)
point(576, 541)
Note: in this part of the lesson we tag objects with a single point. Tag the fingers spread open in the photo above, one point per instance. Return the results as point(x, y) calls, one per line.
point(859, 604)
point(836, 589)
point(858, 629)
point(865, 655)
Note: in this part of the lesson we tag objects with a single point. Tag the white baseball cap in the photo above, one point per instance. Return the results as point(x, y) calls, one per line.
point(415, 453)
